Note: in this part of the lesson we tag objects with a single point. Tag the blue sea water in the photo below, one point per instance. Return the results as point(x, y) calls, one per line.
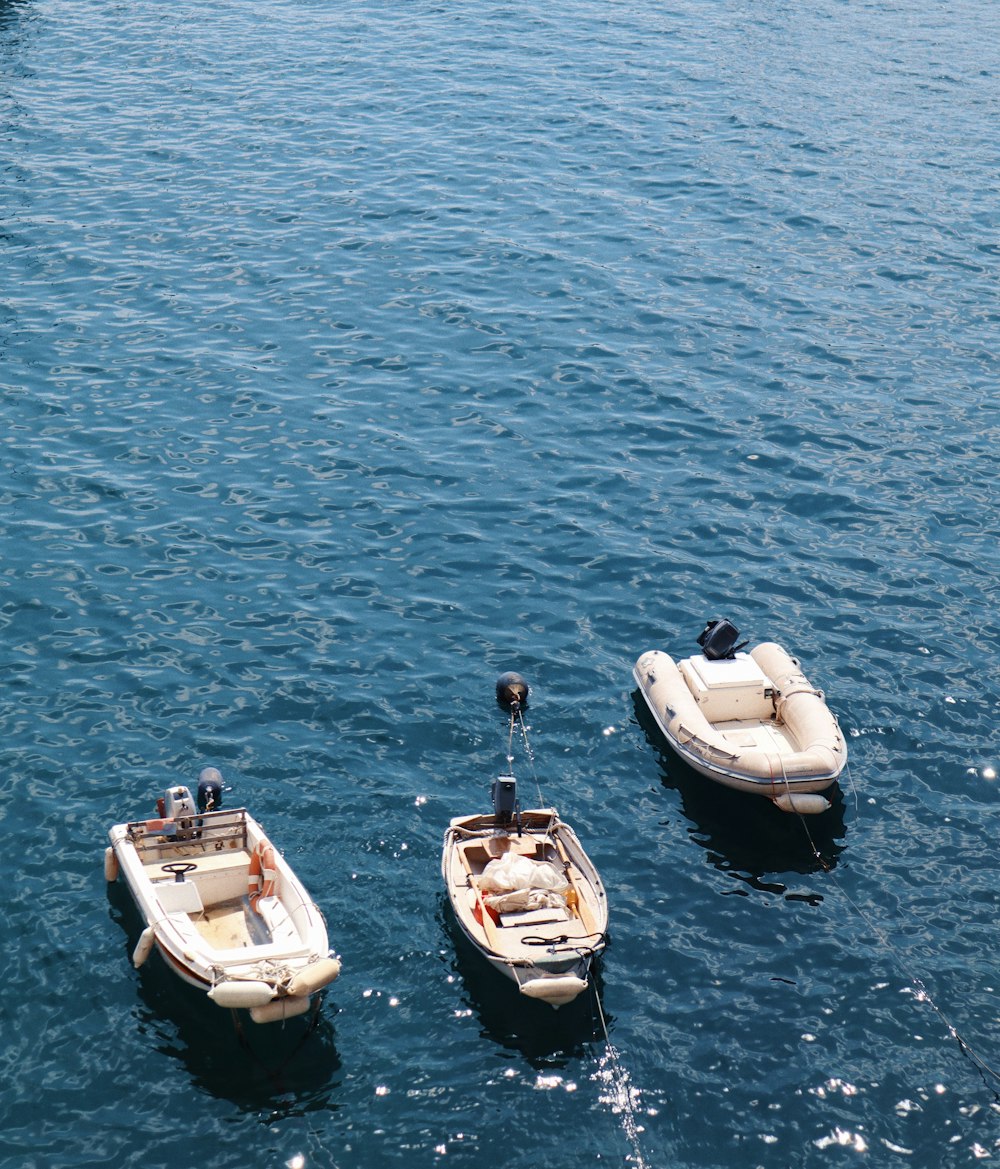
point(352, 354)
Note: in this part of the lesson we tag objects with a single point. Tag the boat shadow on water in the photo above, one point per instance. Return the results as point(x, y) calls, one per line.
point(277, 1069)
point(546, 1038)
point(743, 834)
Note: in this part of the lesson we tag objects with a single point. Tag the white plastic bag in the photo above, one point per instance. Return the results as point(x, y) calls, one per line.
point(512, 902)
point(521, 899)
point(513, 871)
point(545, 875)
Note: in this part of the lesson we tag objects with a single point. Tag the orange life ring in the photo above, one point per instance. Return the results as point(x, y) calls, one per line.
point(262, 876)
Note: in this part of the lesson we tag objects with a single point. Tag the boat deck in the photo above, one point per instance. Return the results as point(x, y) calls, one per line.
point(225, 927)
point(758, 735)
point(233, 925)
point(525, 935)
point(214, 896)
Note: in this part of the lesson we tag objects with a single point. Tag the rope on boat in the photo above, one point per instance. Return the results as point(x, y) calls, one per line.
point(565, 944)
point(919, 990)
point(610, 1069)
point(267, 970)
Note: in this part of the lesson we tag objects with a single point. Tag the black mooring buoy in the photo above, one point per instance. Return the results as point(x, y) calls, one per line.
point(512, 691)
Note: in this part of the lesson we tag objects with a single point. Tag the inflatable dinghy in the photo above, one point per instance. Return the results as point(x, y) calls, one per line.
point(751, 721)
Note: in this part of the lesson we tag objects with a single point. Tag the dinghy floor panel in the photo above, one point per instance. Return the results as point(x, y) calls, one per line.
point(763, 736)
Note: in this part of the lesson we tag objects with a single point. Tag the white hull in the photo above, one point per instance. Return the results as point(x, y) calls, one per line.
point(752, 723)
point(547, 953)
point(271, 959)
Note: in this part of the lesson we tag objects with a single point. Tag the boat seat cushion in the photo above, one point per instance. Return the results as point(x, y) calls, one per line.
point(279, 924)
point(179, 897)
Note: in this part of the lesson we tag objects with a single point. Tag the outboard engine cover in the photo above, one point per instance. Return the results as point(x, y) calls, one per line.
point(505, 798)
point(178, 806)
point(177, 803)
point(210, 790)
point(718, 640)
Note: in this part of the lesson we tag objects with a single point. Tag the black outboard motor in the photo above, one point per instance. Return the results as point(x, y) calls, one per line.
point(505, 802)
point(718, 640)
point(210, 790)
point(512, 692)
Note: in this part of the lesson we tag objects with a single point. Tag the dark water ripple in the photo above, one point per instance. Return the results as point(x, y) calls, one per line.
point(351, 355)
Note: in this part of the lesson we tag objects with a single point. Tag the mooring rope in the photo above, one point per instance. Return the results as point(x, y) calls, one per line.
point(621, 1091)
point(617, 1077)
point(518, 717)
point(920, 991)
point(274, 1073)
point(854, 790)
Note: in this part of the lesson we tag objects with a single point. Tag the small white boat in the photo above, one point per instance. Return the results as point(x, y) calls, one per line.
point(526, 895)
point(751, 721)
point(222, 905)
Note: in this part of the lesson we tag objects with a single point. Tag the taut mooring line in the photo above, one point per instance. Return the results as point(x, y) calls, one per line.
point(617, 1076)
point(621, 1091)
point(517, 718)
point(920, 991)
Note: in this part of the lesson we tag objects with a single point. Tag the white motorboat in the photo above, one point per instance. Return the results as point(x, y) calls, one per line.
point(526, 894)
point(751, 721)
point(222, 905)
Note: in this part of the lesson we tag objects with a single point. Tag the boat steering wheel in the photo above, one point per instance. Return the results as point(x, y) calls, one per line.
point(179, 868)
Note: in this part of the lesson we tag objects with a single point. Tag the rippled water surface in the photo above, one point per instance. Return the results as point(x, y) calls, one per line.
point(354, 353)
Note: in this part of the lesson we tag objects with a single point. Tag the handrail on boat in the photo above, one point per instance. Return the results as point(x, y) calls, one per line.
point(705, 746)
point(205, 828)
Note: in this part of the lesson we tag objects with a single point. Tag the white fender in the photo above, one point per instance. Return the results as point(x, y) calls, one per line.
point(241, 994)
point(805, 803)
point(312, 977)
point(143, 947)
point(110, 865)
point(278, 1010)
point(556, 991)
